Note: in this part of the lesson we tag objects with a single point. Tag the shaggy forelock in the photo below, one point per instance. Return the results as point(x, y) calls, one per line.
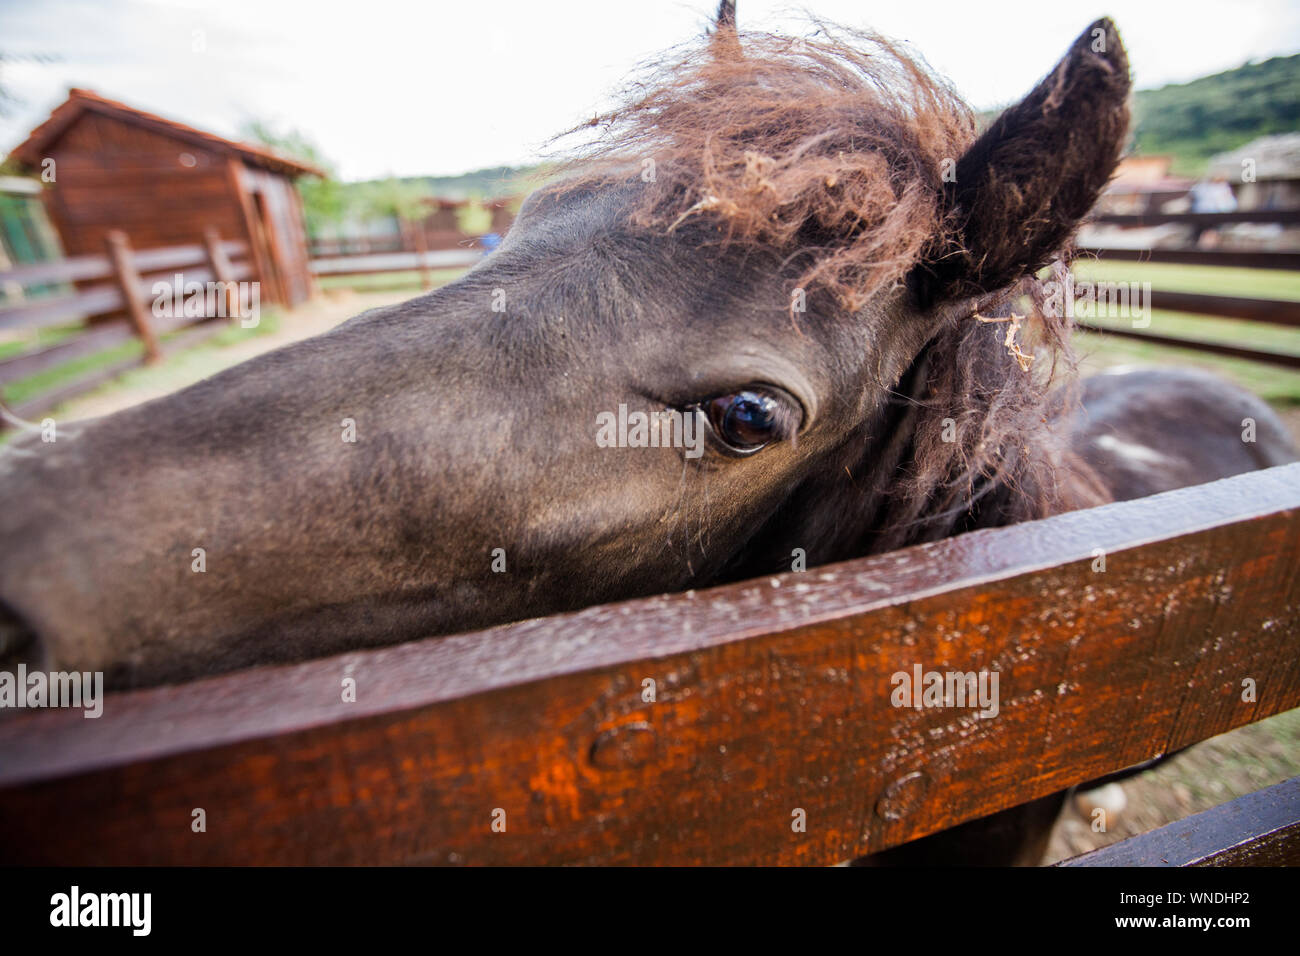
point(830, 149)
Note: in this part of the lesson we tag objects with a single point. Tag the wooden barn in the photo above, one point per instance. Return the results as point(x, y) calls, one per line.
point(164, 183)
point(440, 228)
point(503, 212)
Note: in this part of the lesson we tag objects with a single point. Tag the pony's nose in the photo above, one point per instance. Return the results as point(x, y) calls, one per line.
point(19, 644)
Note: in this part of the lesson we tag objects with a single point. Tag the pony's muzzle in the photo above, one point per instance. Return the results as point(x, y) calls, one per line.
point(19, 644)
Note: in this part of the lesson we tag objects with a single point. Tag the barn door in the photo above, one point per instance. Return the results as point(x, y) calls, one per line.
point(264, 226)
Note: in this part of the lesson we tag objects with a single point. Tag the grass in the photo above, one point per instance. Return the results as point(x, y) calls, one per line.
point(180, 368)
point(389, 281)
point(1277, 338)
point(1207, 280)
point(1272, 383)
point(20, 390)
point(32, 386)
point(37, 338)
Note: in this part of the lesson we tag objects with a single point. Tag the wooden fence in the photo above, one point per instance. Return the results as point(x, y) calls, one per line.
point(694, 728)
point(409, 241)
point(121, 281)
point(1259, 310)
point(380, 263)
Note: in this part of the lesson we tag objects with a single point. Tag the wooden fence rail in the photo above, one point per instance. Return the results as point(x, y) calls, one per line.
point(696, 727)
point(1240, 259)
point(1199, 220)
point(414, 241)
point(1284, 359)
point(1268, 311)
point(1271, 311)
point(395, 262)
point(126, 280)
point(1259, 829)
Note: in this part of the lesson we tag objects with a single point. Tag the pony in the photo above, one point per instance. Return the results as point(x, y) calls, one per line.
point(804, 247)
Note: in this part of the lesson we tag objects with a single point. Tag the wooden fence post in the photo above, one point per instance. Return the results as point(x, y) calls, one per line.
point(128, 280)
point(421, 247)
point(223, 273)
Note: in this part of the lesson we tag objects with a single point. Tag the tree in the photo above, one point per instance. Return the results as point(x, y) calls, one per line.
point(405, 199)
point(323, 200)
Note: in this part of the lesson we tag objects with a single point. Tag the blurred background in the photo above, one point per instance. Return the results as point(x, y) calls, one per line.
point(347, 159)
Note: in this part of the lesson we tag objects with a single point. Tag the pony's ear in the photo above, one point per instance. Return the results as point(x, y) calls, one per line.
point(1022, 187)
point(725, 18)
point(724, 41)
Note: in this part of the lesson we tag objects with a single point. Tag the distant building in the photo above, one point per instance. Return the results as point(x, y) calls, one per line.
point(504, 211)
point(1142, 184)
point(1264, 174)
point(441, 226)
point(164, 183)
point(26, 234)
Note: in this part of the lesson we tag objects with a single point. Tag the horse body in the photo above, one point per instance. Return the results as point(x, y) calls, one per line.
point(881, 414)
point(1144, 431)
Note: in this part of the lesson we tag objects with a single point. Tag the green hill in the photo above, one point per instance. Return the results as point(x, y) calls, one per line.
point(491, 183)
point(1193, 121)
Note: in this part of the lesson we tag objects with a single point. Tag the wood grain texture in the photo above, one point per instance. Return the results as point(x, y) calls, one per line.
point(771, 696)
point(1258, 829)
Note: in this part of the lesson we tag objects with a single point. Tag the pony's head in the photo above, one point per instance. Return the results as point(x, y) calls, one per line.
point(746, 326)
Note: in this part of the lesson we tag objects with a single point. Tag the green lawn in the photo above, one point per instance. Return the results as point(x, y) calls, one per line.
point(1207, 280)
point(20, 390)
point(37, 338)
point(1273, 383)
point(1276, 338)
point(389, 281)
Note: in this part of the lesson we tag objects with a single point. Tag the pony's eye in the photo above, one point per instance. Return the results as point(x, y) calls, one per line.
point(748, 420)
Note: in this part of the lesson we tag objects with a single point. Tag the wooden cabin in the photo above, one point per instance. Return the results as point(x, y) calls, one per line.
point(164, 183)
point(1264, 174)
point(441, 228)
point(503, 212)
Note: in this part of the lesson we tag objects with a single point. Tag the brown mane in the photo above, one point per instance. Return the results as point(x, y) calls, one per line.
point(830, 148)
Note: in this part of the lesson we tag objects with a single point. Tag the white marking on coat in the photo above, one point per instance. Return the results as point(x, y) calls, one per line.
point(1136, 454)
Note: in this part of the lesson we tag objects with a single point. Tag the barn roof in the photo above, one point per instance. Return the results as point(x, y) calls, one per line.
point(79, 101)
point(1276, 157)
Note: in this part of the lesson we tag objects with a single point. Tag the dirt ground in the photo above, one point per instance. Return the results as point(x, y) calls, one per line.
point(1199, 778)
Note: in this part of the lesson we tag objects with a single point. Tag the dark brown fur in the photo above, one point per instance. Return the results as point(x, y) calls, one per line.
point(831, 151)
point(779, 165)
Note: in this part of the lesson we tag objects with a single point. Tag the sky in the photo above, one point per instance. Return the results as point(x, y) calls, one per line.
point(446, 86)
